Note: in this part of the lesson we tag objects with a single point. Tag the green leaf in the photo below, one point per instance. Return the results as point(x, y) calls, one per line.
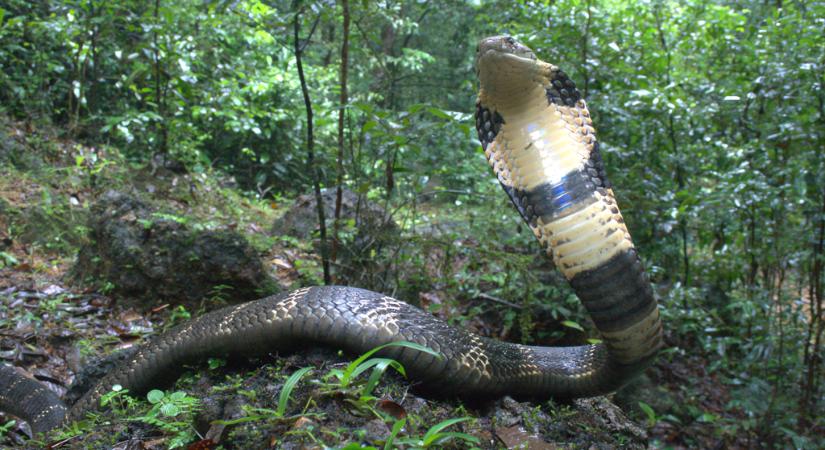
point(571, 324)
point(433, 433)
point(416, 107)
point(7, 260)
point(443, 437)
point(649, 412)
point(366, 365)
point(440, 113)
point(369, 125)
point(155, 396)
point(169, 410)
point(357, 446)
point(396, 428)
point(347, 374)
point(378, 371)
point(215, 363)
point(286, 392)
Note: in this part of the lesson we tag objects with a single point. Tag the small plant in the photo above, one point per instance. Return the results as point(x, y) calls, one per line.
point(435, 436)
point(177, 315)
point(286, 392)
point(342, 381)
point(6, 427)
point(50, 305)
point(7, 260)
point(255, 414)
point(172, 414)
point(652, 418)
point(220, 293)
point(309, 270)
point(107, 288)
point(118, 399)
point(396, 428)
point(346, 376)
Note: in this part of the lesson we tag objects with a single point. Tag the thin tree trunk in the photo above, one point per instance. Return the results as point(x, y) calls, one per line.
point(312, 166)
point(159, 100)
point(73, 109)
point(91, 97)
point(341, 113)
point(680, 177)
point(388, 40)
point(816, 324)
point(585, 41)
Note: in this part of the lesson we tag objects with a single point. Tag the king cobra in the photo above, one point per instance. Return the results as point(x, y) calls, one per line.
point(538, 137)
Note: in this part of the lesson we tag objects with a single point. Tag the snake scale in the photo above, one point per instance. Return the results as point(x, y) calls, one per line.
point(538, 137)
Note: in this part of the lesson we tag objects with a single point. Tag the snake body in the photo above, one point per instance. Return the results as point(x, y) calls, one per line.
point(538, 137)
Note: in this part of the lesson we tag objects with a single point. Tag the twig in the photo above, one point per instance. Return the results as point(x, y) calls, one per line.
point(491, 298)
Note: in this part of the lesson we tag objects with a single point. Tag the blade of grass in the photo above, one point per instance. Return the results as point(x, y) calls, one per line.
point(348, 372)
point(378, 371)
point(436, 429)
point(441, 438)
point(396, 428)
point(286, 392)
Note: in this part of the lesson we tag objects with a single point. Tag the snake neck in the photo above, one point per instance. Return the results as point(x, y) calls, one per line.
point(517, 94)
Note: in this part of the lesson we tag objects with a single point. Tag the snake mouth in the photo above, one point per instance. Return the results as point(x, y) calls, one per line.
point(501, 58)
point(503, 50)
point(504, 45)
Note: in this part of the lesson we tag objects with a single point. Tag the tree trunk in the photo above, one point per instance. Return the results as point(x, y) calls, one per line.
point(312, 166)
point(341, 113)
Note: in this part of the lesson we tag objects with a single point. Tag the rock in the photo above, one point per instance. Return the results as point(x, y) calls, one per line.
point(376, 431)
point(585, 423)
point(301, 220)
point(139, 253)
point(366, 230)
point(13, 149)
point(50, 225)
point(605, 415)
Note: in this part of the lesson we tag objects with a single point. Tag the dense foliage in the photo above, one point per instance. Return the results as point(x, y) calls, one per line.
point(711, 115)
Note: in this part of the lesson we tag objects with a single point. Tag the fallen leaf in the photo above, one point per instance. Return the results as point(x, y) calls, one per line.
point(392, 408)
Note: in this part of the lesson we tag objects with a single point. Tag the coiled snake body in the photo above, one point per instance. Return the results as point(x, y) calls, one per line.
point(537, 134)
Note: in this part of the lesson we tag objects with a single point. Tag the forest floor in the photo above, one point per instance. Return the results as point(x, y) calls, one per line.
point(53, 328)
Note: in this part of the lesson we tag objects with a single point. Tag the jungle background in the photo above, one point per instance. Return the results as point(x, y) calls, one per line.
point(711, 117)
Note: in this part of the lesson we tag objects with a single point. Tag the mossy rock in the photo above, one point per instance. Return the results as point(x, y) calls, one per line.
point(367, 233)
point(14, 152)
point(137, 252)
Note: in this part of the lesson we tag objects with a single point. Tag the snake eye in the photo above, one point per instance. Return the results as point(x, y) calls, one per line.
point(510, 40)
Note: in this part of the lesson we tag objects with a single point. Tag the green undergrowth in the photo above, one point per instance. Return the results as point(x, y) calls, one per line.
point(729, 374)
point(310, 405)
point(46, 195)
point(325, 401)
